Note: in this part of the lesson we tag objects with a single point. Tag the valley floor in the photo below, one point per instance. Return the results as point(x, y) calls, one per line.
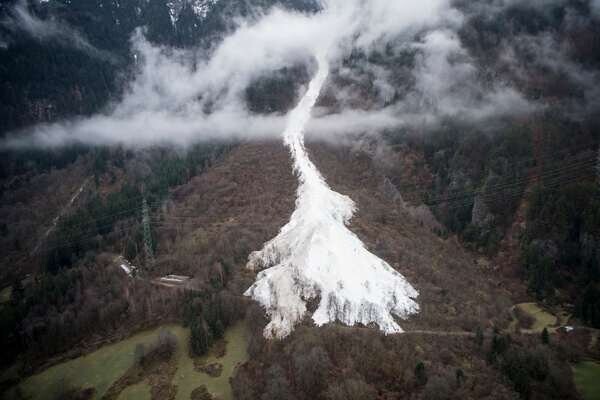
point(102, 368)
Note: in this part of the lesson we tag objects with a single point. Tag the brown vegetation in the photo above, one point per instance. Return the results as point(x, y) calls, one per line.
point(212, 223)
point(201, 393)
point(209, 226)
point(524, 319)
point(456, 292)
point(156, 365)
point(213, 370)
point(28, 205)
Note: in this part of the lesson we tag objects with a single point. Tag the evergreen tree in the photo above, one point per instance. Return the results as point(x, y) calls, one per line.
point(500, 344)
point(460, 377)
point(420, 374)
point(17, 293)
point(187, 26)
point(479, 337)
point(545, 336)
point(218, 329)
point(200, 337)
point(160, 27)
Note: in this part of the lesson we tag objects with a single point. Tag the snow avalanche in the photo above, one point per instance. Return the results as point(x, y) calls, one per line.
point(315, 255)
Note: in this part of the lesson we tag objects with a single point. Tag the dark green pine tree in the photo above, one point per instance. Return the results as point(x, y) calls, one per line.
point(160, 27)
point(420, 374)
point(200, 338)
point(545, 336)
point(218, 329)
point(187, 27)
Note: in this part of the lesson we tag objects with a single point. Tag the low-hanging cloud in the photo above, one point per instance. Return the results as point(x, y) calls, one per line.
point(545, 60)
point(595, 5)
point(21, 20)
point(447, 80)
point(183, 96)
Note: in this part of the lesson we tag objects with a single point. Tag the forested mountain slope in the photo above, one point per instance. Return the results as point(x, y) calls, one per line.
point(471, 150)
point(64, 58)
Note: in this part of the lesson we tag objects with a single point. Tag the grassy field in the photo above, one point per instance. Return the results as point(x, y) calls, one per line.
point(187, 378)
point(587, 379)
point(104, 366)
point(542, 319)
point(98, 369)
point(5, 295)
point(136, 392)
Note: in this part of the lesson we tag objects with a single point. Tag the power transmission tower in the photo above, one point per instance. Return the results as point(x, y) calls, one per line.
point(598, 166)
point(147, 234)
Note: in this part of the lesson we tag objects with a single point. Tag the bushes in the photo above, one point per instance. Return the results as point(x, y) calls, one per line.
point(439, 388)
point(278, 387)
point(533, 370)
point(525, 319)
point(364, 364)
point(166, 344)
point(161, 350)
point(311, 380)
point(350, 389)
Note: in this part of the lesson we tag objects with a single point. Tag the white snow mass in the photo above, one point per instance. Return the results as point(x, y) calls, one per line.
point(315, 256)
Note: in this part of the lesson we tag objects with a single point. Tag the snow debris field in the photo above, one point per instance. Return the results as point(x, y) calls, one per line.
point(315, 255)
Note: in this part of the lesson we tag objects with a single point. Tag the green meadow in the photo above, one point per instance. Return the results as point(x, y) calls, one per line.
point(587, 379)
point(104, 366)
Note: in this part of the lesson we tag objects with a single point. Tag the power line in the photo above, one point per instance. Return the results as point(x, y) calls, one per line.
point(75, 242)
point(103, 217)
point(157, 204)
point(92, 228)
point(582, 172)
point(510, 187)
point(523, 180)
point(513, 188)
point(522, 161)
point(555, 184)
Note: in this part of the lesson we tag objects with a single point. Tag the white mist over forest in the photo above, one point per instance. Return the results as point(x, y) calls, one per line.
point(187, 96)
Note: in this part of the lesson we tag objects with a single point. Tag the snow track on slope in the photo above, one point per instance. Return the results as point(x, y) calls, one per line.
point(315, 256)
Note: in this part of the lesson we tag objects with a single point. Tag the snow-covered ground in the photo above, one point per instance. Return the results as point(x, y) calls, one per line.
point(316, 256)
point(200, 7)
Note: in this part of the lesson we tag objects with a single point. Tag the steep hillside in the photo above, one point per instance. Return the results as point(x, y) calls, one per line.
point(207, 226)
point(233, 208)
point(62, 59)
point(154, 170)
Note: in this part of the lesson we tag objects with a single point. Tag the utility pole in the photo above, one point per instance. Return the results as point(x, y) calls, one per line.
point(147, 233)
